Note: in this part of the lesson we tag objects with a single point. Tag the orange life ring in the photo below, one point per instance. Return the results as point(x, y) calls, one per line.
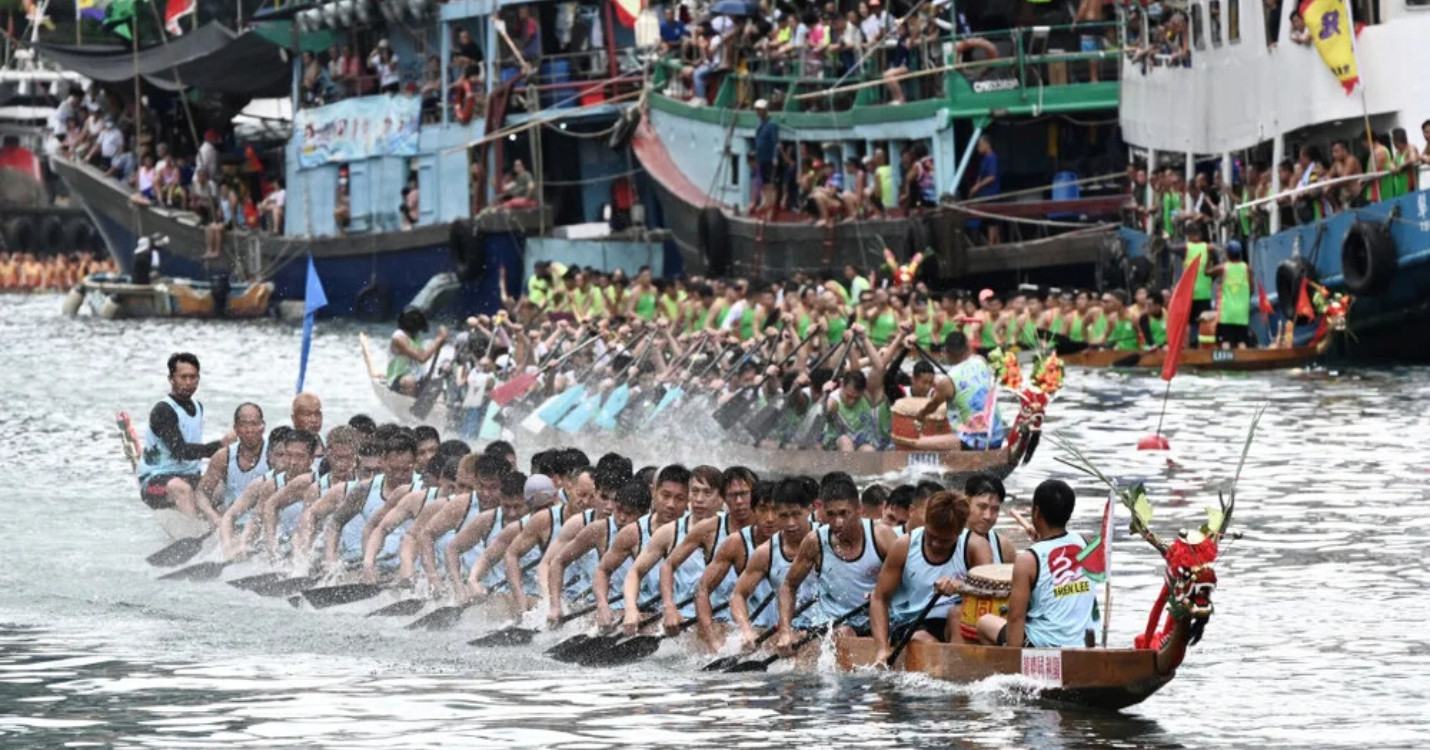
point(466, 103)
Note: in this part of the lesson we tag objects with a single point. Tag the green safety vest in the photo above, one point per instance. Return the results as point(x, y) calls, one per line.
point(1402, 180)
point(1234, 306)
point(1159, 330)
point(1203, 288)
point(888, 195)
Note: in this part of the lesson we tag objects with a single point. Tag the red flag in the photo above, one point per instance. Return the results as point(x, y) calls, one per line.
point(173, 11)
point(1263, 303)
point(1303, 303)
point(1096, 557)
point(1177, 318)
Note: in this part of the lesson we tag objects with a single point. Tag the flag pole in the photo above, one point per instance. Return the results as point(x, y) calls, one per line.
point(1360, 83)
point(1107, 564)
point(1166, 394)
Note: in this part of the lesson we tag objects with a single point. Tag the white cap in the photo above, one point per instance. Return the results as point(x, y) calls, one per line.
point(762, 104)
point(536, 485)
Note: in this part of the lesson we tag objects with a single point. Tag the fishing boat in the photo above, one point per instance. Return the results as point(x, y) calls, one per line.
point(1059, 205)
point(1245, 99)
point(950, 466)
point(345, 187)
point(113, 296)
point(1205, 359)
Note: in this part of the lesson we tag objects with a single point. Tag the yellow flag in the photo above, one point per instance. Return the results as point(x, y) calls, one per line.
point(1329, 22)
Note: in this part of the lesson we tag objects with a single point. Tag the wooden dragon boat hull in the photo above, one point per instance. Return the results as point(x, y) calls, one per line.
point(112, 297)
point(1108, 679)
point(1204, 359)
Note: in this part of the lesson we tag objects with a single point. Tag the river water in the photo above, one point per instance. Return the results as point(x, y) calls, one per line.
point(1318, 639)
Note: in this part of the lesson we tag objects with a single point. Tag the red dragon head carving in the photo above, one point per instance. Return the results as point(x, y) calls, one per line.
point(1028, 427)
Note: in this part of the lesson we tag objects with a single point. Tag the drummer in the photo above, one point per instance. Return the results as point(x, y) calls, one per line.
point(1052, 602)
point(933, 558)
point(985, 502)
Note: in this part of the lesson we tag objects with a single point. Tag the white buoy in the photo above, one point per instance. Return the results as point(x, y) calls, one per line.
point(111, 309)
point(73, 300)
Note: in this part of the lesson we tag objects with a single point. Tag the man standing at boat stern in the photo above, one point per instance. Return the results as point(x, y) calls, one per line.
point(1233, 324)
point(171, 462)
point(767, 145)
point(1053, 602)
point(1197, 247)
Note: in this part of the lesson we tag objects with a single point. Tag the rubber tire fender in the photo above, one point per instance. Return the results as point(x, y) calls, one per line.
point(50, 234)
point(373, 304)
point(78, 235)
point(469, 257)
point(1288, 283)
point(714, 233)
point(1368, 258)
point(20, 234)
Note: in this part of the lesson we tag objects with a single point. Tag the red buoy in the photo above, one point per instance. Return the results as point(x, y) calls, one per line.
point(1153, 443)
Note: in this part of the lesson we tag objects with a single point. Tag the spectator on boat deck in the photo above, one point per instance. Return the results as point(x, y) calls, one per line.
point(121, 167)
point(882, 193)
point(170, 182)
point(672, 31)
point(1299, 33)
point(410, 202)
point(767, 144)
point(203, 197)
point(825, 192)
point(144, 179)
point(1344, 164)
point(711, 60)
point(312, 78)
point(383, 62)
point(107, 146)
point(520, 190)
point(874, 22)
point(207, 159)
point(856, 184)
point(229, 210)
point(1405, 160)
point(431, 91)
point(65, 113)
point(844, 44)
point(528, 35)
point(466, 51)
point(271, 207)
point(349, 70)
point(898, 66)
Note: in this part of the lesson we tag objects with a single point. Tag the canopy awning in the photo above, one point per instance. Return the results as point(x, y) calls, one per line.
point(211, 59)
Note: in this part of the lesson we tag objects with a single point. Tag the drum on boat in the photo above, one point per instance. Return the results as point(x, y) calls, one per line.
point(904, 432)
point(985, 592)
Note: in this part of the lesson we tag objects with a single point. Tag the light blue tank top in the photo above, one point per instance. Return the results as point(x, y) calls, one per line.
point(497, 572)
point(533, 555)
point(809, 589)
point(290, 514)
point(439, 545)
point(916, 584)
point(770, 616)
point(280, 480)
point(1063, 598)
point(238, 479)
point(687, 576)
point(579, 573)
point(618, 576)
point(350, 539)
point(392, 545)
point(156, 459)
point(846, 584)
point(650, 584)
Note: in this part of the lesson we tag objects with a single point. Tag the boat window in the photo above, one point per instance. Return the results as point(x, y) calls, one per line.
point(1233, 21)
point(1199, 39)
point(734, 170)
point(1214, 15)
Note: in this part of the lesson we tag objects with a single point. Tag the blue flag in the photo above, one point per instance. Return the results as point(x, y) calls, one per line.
point(314, 299)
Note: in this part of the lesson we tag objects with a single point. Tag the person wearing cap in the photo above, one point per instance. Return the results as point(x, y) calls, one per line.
point(767, 144)
point(541, 498)
point(384, 62)
point(1233, 327)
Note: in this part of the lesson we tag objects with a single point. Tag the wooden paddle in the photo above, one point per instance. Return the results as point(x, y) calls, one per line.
point(253, 583)
point(443, 618)
point(205, 571)
point(760, 665)
point(286, 586)
point(428, 390)
point(912, 628)
point(599, 643)
point(811, 428)
point(518, 386)
point(323, 597)
point(759, 426)
point(725, 662)
point(403, 608)
point(515, 635)
point(637, 647)
point(179, 552)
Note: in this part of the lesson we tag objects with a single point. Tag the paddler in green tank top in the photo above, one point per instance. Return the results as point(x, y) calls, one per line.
point(881, 318)
point(1025, 321)
point(1052, 318)
point(640, 300)
point(1197, 247)
point(851, 404)
point(616, 302)
point(1233, 328)
point(1076, 318)
point(1152, 325)
point(947, 317)
point(1406, 162)
point(595, 282)
point(697, 308)
point(1114, 329)
point(667, 304)
point(990, 321)
point(923, 322)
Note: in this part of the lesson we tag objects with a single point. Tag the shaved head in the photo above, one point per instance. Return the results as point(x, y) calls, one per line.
point(307, 412)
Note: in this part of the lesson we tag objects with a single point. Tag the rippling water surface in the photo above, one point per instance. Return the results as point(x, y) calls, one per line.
point(1319, 638)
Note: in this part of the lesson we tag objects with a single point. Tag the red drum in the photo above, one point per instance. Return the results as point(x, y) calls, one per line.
point(903, 430)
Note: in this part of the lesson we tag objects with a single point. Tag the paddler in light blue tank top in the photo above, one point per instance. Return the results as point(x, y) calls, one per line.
point(542, 498)
point(848, 552)
point(469, 545)
point(383, 545)
point(765, 570)
point(613, 573)
point(293, 461)
point(745, 497)
point(1053, 601)
point(235, 466)
point(933, 559)
point(697, 542)
point(629, 503)
point(350, 518)
point(985, 504)
point(571, 559)
point(282, 512)
point(650, 540)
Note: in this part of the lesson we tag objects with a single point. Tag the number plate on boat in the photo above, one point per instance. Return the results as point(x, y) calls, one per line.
point(924, 461)
point(1223, 355)
point(1044, 665)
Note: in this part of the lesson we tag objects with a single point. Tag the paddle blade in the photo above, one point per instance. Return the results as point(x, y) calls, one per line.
point(579, 653)
point(253, 583)
point(665, 401)
point(730, 412)
point(555, 407)
point(625, 652)
point(442, 618)
point(811, 428)
point(285, 586)
point(491, 430)
point(506, 637)
point(178, 553)
point(754, 665)
point(347, 593)
point(404, 608)
point(202, 572)
point(765, 420)
point(567, 646)
point(722, 664)
point(617, 401)
point(513, 389)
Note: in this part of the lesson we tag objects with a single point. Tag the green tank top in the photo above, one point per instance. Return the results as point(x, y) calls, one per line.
point(1234, 306)
point(1203, 288)
point(1098, 329)
point(1171, 206)
point(837, 325)
point(949, 326)
point(399, 365)
point(597, 303)
point(924, 333)
point(802, 327)
point(883, 328)
point(698, 321)
point(1123, 336)
point(1075, 330)
point(645, 306)
point(1029, 335)
point(1159, 330)
point(860, 418)
point(987, 340)
point(747, 323)
point(1401, 179)
point(1056, 327)
point(672, 308)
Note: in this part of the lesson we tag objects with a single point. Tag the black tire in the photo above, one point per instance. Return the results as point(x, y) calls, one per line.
point(78, 235)
point(373, 304)
point(469, 255)
point(1368, 258)
point(1288, 283)
point(714, 232)
point(621, 136)
point(20, 233)
point(916, 240)
point(50, 234)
